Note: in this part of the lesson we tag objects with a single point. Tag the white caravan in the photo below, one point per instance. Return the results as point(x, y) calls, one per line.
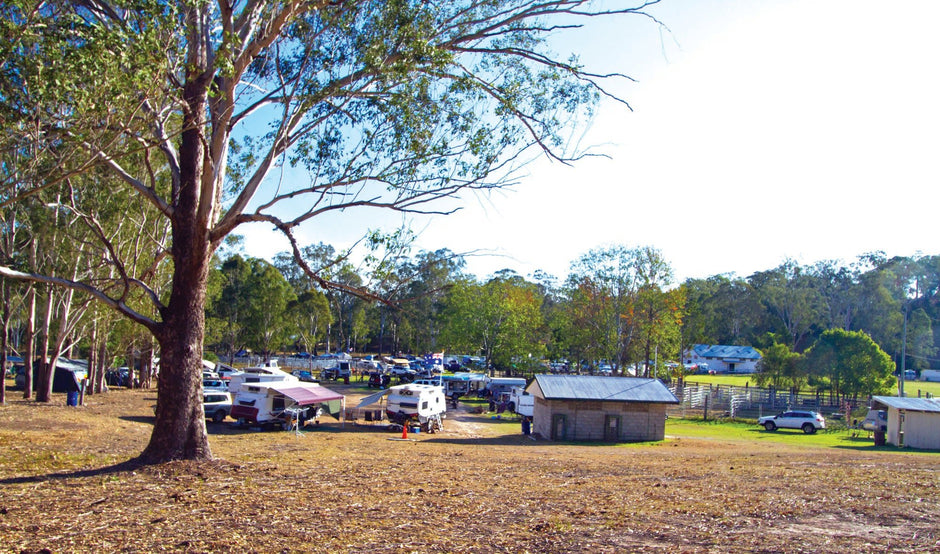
point(278, 403)
point(425, 404)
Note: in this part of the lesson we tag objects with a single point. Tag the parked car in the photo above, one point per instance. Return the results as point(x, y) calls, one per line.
point(378, 380)
point(214, 384)
point(336, 373)
point(876, 420)
point(304, 375)
point(116, 377)
point(217, 405)
point(809, 422)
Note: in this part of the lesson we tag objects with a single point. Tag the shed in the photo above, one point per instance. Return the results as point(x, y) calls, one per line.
point(912, 422)
point(598, 408)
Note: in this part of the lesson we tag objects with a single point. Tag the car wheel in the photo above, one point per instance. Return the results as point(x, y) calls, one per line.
point(218, 416)
point(808, 428)
point(770, 426)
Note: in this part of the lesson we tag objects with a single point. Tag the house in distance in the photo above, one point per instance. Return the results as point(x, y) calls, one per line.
point(722, 359)
point(598, 408)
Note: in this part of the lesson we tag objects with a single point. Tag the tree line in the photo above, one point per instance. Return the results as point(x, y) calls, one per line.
point(618, 305)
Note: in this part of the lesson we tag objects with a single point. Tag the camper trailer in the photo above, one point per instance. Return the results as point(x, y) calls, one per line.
point(462, 384)
point(273, 404)
point(424, 404)
point(260, 374)
point(498, 386)
point(521, 402)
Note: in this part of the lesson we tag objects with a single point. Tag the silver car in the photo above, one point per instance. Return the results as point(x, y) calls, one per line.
point(217, 405)
point(809, 422)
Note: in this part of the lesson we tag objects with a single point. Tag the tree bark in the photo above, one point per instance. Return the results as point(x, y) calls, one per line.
point(28, 351)
point(179, 431)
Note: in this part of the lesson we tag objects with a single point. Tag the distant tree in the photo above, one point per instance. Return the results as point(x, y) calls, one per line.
point(789, 296)
point(658, 307)
point(602, 292)
point(309, 315)
point(780, 368)
point(500, 319)
point(267, 325)
point(852, 362)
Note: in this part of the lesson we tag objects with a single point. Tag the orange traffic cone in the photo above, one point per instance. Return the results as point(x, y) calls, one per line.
point(404, 431)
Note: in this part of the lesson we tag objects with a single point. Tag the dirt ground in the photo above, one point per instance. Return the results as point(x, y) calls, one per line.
point(66, 486)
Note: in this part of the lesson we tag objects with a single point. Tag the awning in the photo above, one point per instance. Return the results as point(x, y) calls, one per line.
point(305, 395)
point(373, 398)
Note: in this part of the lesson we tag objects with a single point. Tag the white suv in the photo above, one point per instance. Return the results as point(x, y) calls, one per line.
point(809, 422)
point(217, 405)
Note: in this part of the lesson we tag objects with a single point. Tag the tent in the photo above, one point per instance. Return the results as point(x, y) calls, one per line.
point(67, 377)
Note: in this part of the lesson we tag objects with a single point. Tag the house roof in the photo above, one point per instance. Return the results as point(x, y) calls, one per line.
point(590, 387)
point(910, 404)
point(724, 351)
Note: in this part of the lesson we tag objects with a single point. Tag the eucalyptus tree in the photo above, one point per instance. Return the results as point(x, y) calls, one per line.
point(500, 319)
point(603, 292)
point(267, 322)
point(790, 298)
point(426, 278)
point(390, 105)
point(659, 307)
point(309, 316)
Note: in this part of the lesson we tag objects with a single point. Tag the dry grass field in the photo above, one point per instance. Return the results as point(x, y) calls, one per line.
point(66, 486)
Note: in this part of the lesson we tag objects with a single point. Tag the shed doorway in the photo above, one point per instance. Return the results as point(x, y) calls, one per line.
point(559, 424)
point(612, 428)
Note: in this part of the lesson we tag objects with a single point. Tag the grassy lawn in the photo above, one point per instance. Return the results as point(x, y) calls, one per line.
point(738, 431)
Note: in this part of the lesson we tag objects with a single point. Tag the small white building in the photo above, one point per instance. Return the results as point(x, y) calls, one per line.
point(723, 359)
point(912, 422)
point(930, 375)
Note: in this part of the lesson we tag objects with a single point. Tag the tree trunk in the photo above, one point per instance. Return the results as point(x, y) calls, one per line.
point(102, 362)
point(92, 359)
point(5, 299)
point(46, 369)
point(129, 359)
point(30, 346)
point(179, 432)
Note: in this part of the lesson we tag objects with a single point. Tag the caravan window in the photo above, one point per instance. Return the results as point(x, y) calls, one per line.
point(424, 405)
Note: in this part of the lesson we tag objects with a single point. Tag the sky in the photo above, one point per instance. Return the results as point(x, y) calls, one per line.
point(760, 131)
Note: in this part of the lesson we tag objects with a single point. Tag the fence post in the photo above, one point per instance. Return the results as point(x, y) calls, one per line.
point(705, 416)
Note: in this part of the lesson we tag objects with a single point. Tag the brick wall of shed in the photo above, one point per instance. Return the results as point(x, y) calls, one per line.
point(586, 419)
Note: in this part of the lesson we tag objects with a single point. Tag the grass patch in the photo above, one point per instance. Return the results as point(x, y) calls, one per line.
point(749, 431)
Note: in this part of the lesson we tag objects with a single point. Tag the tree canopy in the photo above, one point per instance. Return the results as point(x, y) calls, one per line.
point(202, 117)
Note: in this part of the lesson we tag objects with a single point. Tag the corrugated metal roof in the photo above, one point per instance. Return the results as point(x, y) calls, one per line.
point(617, 389)
point(912, 404)
point(723, 351)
